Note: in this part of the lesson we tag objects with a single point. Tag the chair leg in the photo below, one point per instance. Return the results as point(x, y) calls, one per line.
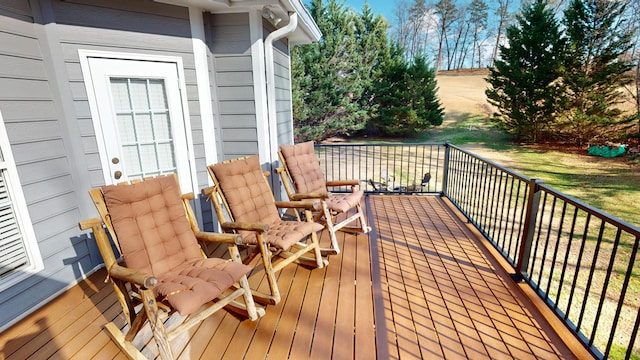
point(316, 242)
point(334, 249)
point(363, 219)
point(274, 298)
point(249, 305)
point(157, 327)
point(125, 346)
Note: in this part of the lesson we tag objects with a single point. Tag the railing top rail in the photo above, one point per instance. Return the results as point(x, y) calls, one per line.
point(379, 143)
point(623, 225)
point(493, 164)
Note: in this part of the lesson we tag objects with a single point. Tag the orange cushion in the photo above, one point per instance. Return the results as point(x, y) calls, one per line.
point(156, 238)
point(283, 234)
point(344, 202)
point(303, 165)
point(197, 282)
point(247, 192)
point(150, 222)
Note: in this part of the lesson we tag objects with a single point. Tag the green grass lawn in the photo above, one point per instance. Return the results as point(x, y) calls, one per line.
point(612, 185)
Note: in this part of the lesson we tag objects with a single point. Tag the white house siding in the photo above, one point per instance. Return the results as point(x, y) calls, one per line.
point(138, 27)
point(284, 113)
point(232, 79)
point(46, 112)
point(39, 144)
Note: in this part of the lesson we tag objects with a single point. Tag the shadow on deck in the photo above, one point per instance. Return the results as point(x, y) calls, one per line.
point(420, 285)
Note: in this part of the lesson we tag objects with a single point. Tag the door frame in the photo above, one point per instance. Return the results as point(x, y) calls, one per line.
point(86, 55)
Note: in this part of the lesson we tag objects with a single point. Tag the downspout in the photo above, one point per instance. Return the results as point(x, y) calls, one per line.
point(271, 85)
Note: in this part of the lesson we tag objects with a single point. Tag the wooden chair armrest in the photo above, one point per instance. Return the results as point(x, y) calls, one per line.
point(207, 191)
point(314, 195)
point(89, 223)
point(189, 196)
point(308, 204)
point(133, 276)
point(257, 227)
point(343, 182)
point(218, 237)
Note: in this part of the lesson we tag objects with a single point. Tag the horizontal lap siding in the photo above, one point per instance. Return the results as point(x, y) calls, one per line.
point(228, 39)
point(38, 145)
point(284, 114)
point(140, 27)
point(38, 125)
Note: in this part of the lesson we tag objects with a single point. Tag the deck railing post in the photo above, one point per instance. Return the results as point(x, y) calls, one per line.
point(445, 176)
point(528, 229)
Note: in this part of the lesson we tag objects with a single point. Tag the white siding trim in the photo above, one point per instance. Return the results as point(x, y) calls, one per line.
point(259, 86)
point(203, 83)
point(14, 188)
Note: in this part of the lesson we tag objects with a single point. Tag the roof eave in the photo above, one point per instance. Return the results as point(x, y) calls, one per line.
point(306, 32)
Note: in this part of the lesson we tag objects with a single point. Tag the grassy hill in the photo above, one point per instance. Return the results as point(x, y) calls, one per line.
point(612, 185)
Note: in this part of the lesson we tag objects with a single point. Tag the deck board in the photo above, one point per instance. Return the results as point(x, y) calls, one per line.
point(418, 286)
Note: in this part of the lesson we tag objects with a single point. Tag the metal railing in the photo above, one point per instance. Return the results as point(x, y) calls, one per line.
point(581, 261)
point(388, 168)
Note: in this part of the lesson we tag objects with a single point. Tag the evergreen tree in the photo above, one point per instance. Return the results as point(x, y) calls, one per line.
point(324, 77)
point(596, 68)
point(355, 79)
point(373, 49)
point(407, 98)
point(525, 82)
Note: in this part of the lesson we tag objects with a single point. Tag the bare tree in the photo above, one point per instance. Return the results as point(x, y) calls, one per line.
point(503, 21)
point(446, 11)
point(402, 26)
point(417, 13)
point(461, 26)
point(478, 19)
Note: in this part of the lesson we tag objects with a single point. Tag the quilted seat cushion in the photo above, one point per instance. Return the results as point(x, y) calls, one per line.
point(151, 225)
point(283, 234)
point(246, 190)
point(344, 202)
point(304, 167)
point(155, 237)
point(197, 282)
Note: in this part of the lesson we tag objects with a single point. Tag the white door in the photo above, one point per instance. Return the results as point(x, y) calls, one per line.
point(140, 122)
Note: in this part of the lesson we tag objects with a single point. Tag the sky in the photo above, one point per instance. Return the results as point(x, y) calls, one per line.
point(384, 7)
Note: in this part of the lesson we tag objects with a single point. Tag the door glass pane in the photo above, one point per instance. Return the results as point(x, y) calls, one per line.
point(157, 94)
point(144, 126)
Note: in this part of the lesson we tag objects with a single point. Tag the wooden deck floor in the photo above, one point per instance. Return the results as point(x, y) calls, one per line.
point(418, 286)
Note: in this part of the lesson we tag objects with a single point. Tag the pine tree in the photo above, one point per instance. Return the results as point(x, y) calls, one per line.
point(324, 78)
point(525, 81)
point(373, 50)
point(407, 98)
point(596, 68)
point(355, 76)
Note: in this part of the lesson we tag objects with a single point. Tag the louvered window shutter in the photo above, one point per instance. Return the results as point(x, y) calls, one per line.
point(13, 254)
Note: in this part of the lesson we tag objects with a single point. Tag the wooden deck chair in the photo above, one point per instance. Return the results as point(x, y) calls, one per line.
point(303, 178)
point(164, 271)
point(244, 204)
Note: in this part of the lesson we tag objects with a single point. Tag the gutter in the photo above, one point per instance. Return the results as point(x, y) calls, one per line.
point(271, 86)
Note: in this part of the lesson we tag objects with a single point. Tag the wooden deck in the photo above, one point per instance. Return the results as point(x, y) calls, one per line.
point(420, 285)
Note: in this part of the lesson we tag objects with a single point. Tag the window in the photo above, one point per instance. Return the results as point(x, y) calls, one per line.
point(19, 254)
